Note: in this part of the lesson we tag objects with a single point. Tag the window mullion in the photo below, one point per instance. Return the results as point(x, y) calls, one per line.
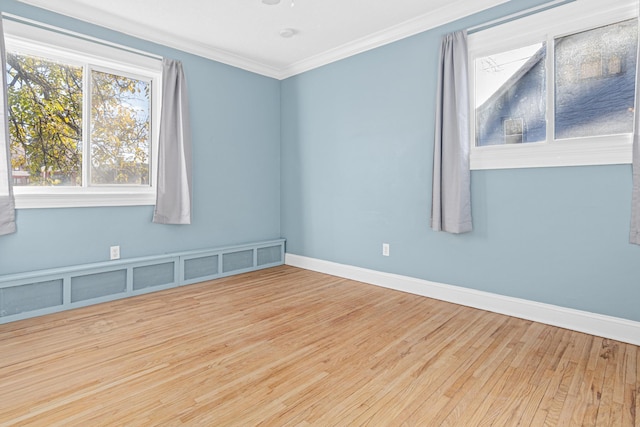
point(86, 125)
point(471, 81)
point(551, 86)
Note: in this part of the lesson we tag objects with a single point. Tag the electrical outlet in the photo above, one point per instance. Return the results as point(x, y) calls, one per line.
point(385, 249)
point(115, 252)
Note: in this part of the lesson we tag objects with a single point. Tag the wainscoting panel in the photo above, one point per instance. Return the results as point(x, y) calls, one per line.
point(96, 285)
point(30, 297)
point(269, 255)
point(146, 276)
point(236, 261)
point(201, 266)
point(47, 291)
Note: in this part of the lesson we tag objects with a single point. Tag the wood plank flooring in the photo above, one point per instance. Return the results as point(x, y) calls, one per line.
point(289, 347)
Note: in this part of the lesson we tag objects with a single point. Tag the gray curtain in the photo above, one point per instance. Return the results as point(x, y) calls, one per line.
point(173, 200)
point(634, 235)
point(451, 197)
point(7, 204)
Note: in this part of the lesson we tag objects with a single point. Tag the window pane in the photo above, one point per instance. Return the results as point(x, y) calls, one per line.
point(120, 129)
point(45, 121)
point(595, 81)
point(510, 96)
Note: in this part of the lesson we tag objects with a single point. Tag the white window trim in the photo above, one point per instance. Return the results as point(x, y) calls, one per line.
point(29, 39)
point(574, 17)
point(69, 197)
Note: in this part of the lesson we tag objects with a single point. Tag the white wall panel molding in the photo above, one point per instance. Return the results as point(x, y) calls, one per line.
point(577, 320)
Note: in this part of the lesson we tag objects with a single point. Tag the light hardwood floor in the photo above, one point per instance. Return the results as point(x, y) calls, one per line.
point(286, 346)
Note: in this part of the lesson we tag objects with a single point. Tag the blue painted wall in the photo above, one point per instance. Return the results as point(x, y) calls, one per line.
point(357, 144)
point(341, 157)
point(235, 117)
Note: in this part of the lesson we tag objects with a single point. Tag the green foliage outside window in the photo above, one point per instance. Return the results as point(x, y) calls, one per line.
point(46, 124)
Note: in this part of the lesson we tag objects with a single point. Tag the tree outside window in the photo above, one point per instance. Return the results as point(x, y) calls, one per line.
point(47, 100)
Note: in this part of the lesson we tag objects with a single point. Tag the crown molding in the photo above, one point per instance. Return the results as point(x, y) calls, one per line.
point(438, 17)
point(455, 10)
point(138, 30)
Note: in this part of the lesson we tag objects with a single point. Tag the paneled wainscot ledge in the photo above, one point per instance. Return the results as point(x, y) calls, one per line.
point(48, 291)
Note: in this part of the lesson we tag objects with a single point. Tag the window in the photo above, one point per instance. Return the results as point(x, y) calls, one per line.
point(600, 102)
point(82, 120)
point(498, 95)
point(556, 88)
point(513, 131)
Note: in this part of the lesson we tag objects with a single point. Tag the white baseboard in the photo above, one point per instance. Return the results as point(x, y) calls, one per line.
point(582, 321)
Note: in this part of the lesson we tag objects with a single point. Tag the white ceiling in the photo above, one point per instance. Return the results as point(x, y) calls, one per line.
point(245, 33)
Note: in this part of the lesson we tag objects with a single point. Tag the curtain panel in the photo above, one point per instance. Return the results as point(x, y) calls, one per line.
point(174, 191)
point(634, 234)
point(451, 196)
point(7, 203)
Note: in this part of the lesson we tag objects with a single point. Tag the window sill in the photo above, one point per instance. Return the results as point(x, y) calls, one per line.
point(36, 198)
point(595, 151)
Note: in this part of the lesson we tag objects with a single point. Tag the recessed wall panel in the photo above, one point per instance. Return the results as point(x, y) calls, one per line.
point(30, 297)
point(153, 275)
point(237, 260)
point(200, 267)
point(269, 255)
point(96, 285)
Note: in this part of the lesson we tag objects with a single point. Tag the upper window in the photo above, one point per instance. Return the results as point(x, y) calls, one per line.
point(556, 88)
point(82, 120)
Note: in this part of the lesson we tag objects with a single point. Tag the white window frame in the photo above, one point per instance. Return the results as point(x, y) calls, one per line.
point(93, 55)
point(581, 15)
